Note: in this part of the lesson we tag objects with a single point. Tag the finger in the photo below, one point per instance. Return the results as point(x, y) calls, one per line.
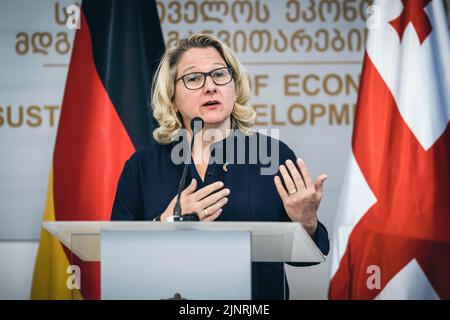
point(319, 185)
point(218, 205)
point(214, 216)
point(281, 191)
point(205, 191)
point(305, 174)
point(190, 188)
point(211, 210)
point(290, 185)
point(295, 174)
point(215, 197)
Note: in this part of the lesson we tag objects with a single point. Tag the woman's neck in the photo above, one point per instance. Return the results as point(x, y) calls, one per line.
point(206, 137)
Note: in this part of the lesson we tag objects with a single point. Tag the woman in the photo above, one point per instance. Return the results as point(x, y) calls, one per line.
point(201, 77)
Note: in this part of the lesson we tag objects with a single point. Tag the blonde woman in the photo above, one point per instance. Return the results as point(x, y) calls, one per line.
point(235, 174)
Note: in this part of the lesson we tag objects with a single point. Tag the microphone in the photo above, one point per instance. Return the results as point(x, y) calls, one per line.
point(197, 125)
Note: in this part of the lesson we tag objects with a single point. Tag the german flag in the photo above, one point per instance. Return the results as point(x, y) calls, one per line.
point(105, 117)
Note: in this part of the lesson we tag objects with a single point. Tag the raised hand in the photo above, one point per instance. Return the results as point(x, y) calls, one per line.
point(302, 195)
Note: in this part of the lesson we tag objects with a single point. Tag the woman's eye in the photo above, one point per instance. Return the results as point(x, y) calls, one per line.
point(193, 77)
point(219, 74)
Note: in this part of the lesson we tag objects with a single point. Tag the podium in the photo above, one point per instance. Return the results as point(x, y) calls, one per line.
point(195, 260)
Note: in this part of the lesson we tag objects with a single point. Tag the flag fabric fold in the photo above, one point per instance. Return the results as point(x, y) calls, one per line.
point(105, 117)
point(392, 233)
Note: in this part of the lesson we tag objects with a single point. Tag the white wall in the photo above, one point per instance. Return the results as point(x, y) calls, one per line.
point(308, 283)
point(16, 268)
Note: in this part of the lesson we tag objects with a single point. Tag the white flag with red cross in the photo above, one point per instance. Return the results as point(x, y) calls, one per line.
point(392, 234)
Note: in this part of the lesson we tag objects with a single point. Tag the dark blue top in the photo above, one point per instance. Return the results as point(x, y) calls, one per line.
point(149, 182)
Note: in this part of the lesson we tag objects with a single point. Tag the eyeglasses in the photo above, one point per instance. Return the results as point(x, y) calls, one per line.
point(196, 80)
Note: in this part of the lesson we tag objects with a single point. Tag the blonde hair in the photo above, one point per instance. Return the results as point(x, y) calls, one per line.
point(163, 88)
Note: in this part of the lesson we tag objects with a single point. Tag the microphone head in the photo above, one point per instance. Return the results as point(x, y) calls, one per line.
point(197, 124)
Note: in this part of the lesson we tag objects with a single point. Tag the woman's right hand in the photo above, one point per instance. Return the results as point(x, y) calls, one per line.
point(206, 202)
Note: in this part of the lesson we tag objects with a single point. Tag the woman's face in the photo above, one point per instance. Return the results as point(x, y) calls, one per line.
point(213, 103)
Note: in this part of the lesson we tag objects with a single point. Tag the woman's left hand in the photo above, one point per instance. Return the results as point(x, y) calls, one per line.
point(302, 197)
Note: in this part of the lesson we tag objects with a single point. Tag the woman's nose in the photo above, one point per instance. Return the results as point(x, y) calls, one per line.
point(210, 86)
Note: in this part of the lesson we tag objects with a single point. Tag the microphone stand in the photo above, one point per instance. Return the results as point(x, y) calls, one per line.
point(177, 216)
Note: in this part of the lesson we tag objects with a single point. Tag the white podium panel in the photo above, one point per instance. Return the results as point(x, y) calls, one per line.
point(157, 265)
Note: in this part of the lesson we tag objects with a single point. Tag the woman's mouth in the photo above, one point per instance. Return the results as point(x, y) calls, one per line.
point(211, 104)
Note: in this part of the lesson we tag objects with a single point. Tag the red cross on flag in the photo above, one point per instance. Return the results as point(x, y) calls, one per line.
point(392, 234)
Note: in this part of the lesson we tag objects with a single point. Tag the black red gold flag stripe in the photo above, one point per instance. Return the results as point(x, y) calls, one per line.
point(105, 117)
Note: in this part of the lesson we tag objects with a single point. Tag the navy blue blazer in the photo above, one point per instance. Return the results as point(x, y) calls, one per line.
point(150, 178)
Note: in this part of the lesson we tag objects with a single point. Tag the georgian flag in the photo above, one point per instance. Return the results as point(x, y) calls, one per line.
point(392, 234)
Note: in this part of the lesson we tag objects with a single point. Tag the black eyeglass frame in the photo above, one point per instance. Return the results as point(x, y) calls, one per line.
point(206, 74)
